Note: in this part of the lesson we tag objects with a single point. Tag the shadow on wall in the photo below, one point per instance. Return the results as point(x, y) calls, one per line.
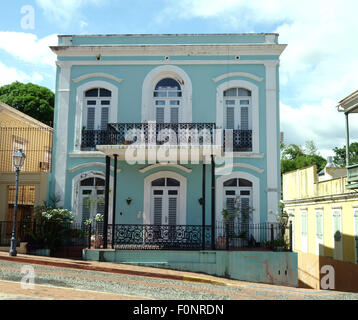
point(329, 271)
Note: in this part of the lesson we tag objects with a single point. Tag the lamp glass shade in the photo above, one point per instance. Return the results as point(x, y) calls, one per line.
point(18, 159)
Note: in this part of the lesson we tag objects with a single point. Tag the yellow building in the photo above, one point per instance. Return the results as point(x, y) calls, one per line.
point(20, 131)
point(324, 214)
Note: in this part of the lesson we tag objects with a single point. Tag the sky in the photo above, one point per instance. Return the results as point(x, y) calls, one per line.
point(318, 68)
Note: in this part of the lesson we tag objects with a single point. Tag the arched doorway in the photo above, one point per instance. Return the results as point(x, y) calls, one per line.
point(91, 198)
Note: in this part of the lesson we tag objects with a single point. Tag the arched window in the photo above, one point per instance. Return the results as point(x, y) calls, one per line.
point(91, 197)
point(97, 106)
point(165, 201)
point(167, 99)
point(237, 109)
point(238, 195)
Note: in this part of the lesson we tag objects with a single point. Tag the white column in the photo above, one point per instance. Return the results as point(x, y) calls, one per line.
point(62, 132)
point(272, 141)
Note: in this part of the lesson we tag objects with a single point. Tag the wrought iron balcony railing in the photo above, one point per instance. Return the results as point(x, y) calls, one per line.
point(196, 134)
point(176, 134)
point(238, 140)
point(91, 138)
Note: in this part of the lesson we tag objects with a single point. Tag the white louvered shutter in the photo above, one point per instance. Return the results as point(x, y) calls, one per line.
point(244, 121)
point(158, 210)
point(172, 212)
point(104, 118)
point(230, 118)
point(90, 118)
point(160, 115)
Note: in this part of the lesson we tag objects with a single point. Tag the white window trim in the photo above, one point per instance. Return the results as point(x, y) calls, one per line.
point(149, 83)
point(182, 211)
point(337, 251)
point(80, 98)
point(254, 105)
point(319, 241)
point(304, 239)
point(255, 194)
point(75, 201)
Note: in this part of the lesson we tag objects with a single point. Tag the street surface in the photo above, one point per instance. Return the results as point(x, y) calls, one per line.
point(58, 283)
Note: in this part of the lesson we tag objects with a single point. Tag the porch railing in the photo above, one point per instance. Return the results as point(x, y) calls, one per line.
point(228, 236)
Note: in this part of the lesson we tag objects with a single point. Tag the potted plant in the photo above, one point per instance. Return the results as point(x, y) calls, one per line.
point(52, 226)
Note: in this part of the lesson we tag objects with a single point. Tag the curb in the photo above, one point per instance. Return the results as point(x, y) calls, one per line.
point(80, 266)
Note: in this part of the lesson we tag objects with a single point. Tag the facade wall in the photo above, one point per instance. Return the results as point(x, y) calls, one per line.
point(126, 74)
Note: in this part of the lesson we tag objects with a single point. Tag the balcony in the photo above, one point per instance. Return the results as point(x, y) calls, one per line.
point(126, 134)
point(157, 134)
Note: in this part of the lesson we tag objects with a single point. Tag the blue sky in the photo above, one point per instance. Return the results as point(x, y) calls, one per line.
point(318, 68)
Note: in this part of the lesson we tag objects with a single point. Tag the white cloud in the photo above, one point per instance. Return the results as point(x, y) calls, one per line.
point(318, 68)
point(28, 48)
point(65, 10)
point(10, 74)
point(320, 60)
point(321, 123)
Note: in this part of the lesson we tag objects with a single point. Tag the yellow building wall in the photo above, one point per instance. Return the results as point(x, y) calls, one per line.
point(38, 140)
point(303, 185)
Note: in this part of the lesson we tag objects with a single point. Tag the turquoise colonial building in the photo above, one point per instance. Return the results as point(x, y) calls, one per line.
point(168, 129)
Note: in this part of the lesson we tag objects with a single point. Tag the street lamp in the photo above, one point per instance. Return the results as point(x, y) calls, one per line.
point(18, 159)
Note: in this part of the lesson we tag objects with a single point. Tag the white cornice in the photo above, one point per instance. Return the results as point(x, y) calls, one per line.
point(165, 50)
point(67, 64)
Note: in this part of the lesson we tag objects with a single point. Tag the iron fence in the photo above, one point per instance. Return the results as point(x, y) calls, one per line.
point(228, 236)
point(272, 236)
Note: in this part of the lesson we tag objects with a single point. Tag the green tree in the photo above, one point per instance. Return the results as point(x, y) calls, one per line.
point(295, 157)
point(340, 155)
point(31, 99)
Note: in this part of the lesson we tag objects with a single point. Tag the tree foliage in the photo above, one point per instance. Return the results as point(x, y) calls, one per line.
point(295, 157)
point(340, 155)
point(31, 99)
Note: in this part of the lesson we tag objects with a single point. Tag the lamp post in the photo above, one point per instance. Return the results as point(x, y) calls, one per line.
point(18, 159)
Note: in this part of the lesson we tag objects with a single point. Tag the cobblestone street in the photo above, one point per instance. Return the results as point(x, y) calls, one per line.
point(58, 283)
